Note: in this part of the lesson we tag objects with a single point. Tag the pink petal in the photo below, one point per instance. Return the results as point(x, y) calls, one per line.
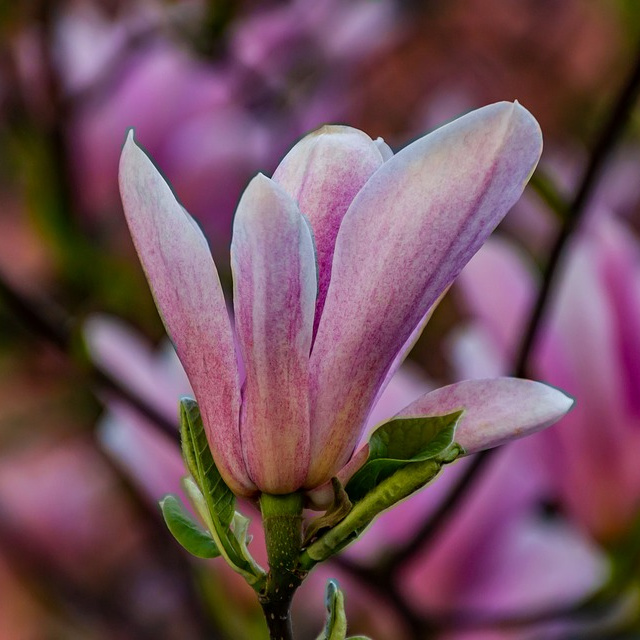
point(495, 410)
point(406, 236)
point(186, 288)
point(273, 262)
point(323, 173)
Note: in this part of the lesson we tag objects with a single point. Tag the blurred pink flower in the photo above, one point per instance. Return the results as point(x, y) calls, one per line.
point(590, 346)
point(283, 70)
point(66, 501)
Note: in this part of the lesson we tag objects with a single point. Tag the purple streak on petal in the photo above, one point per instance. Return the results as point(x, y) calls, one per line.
point(406, 236)
point(186, 288)
point(273, 262)
point(323, 173)
point(495, 410)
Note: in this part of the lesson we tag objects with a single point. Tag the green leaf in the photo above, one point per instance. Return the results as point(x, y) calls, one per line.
point(336, 626)
point(212, 497)
point(400, 442)
point(186, 531)
point(338, 510)
point(241, 534)
point(195, 448)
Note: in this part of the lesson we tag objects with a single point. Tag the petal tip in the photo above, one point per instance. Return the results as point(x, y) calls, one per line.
point(560, 401)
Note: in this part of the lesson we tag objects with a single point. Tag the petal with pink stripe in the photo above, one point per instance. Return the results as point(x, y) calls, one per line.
point(274, 274)
point(406, 236)
point(185, 284)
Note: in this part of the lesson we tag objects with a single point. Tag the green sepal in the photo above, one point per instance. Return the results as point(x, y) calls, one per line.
point(399, 485)
point(339, 509)
point(187, 531)
point(212, 497)
point(399, 442)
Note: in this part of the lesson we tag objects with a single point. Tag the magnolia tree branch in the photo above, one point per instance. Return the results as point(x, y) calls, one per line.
point(50, 322)
point(609, 135)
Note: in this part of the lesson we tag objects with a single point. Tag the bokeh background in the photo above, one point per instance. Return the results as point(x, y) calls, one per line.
point(545, 543)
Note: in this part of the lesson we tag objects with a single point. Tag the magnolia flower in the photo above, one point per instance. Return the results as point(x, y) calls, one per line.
point(500, 555)
point(337, 262)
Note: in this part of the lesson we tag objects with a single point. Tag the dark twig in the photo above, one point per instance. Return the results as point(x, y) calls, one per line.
point(605, 143)
point(55, 327)
point(417, 625)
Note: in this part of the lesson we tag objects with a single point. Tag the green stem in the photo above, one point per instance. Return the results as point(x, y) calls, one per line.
point(395, 488)
point(282, 520)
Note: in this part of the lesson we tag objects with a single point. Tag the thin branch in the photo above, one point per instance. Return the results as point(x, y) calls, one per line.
point(52, 324)
point(417, 625)
point(606, 141)
point(604, 145)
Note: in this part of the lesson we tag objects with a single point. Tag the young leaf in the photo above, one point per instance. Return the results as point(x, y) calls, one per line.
point(197, 454)
point(185, 530)
point(336, 626)
point(400, 442)
point(241, 534)
point(218, 498)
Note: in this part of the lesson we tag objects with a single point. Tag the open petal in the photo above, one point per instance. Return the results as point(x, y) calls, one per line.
point(405, 237)
point(495, 410)
point(274, 274)
point(186, 288)
point(323, 173)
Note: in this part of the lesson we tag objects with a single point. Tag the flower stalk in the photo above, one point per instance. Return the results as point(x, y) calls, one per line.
point(282, 521)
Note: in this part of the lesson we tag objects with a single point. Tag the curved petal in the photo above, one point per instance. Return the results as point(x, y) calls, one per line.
point(406, 236)
point(385, 150)
point(186, 288)
point(274, 274)
point(495, 411)
point(323, 173)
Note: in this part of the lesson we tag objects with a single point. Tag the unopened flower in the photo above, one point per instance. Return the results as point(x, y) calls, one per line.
point(337, 263)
